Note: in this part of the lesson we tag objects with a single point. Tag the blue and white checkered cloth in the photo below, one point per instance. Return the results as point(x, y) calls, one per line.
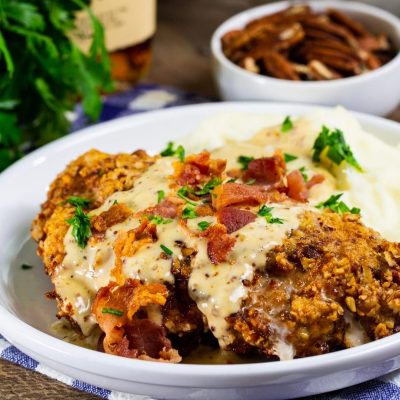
point(146, 97)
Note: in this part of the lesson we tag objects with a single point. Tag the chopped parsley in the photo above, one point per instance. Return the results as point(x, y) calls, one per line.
point(338, 206)
point(112, 311)
point(166, 250)
point(203, 225)
point(245, 161)
point(231, 180)
point(287, 125)
point(115, 202)
point(183, 193)
point(189, 213)
point(289, 157)
point(77, 201)
point(303, 173)
point(209, 186)
point(265, 211)
point(169, 151)
point(26, 266)
point(158, 220)
point(80, 227)
point(337, 150)
point(160, 195)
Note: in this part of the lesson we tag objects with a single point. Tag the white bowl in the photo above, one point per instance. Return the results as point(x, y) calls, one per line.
point(26, 315)
point(376, 92)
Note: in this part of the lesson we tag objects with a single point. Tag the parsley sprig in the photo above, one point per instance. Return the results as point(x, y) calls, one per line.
point(290, 157)
point(160, 195)
point(158, 219)
point(184, 192)
point(338, 206)
point(166, 250)
point(77, 201)
point(80, 223)
point(287, 124)
point(245, 161)
point(189, 213)
point(337, 148)
point(303, 173)
point(209, 186)
point(112, 311)
point(203, 225)
point(265, 211)
point(170, 151)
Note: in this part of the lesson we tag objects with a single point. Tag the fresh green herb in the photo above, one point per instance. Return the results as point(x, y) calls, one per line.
point(112, 311)
point(231, 180)
point(287, 125)
point(289, 157)
point(80, 227)
point(337, 150)
point(115, 202)
point(189, 213)
point(43, 72)
point(209, 186)
point(303, 173)
point(77, 201)
point(183, 193)
point(169, 151)
point(26, 266)
point(335, 204)
point(158, 220)
point(203, 225)
point(265, 211)
point(251, 182)
point(166, 250)
point(160, 195)
point(245, 161)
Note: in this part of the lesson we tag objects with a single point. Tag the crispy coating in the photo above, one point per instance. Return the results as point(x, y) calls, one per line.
point(94, 175)
point(331, 278)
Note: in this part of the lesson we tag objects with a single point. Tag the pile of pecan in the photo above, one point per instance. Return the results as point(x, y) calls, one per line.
point(300, 44)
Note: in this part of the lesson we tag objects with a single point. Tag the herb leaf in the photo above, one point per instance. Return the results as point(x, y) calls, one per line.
point(245, 161)
point(337, 148)
point(80, 223)
point(183, 193)
point(336, 205)
point(265, 211)
point(303, 173)
point(158, 220)
point(166, 250)
point(169, 151)
point(203, 225)
point(287, 125)
point(160, 195)
point(77, 201)
point(289, 157)
point(209, 186)
point(112, 311)
point(26, 266)
point(189, 213)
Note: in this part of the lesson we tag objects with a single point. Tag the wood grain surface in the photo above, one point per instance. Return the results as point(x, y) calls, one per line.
point(181, 59)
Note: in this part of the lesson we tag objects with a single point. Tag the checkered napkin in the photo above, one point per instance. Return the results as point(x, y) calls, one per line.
point(146, 97)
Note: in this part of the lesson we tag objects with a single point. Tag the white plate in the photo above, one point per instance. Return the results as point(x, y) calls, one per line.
point(25, 315)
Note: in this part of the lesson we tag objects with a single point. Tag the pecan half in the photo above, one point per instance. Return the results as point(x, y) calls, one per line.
point(278, 66)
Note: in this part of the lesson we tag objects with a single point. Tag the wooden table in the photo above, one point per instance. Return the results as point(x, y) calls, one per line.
point(181, 59)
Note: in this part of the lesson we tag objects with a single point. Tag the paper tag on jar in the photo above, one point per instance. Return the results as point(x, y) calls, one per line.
point(126, 23)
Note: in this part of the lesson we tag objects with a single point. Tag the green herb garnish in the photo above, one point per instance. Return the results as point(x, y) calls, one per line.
point(245, 161)
point(335, 204)
point(80, 227)
point(265, 211)
point(166, 250)
point(289, 157)
point(170, 151)
point(183, 193)
point(158, 220)
point(160, 195)
point(303, 173)
point(26, 266)
point(77, 201)
point(287, 125)
point(203, 225)
point(337, 150)
point(231, 180)
point(43, 72)
point(189, 213)
point(112, 311)
point(209, 186)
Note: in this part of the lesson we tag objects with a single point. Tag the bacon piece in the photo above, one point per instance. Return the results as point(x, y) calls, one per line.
point(197, 168)
point(166, 208)
point(266, 170)
point(297, 188)
point(219, 243)
point(114, 215)
point(204, 210)
point(236, 193)
point(128, 243)
point(315, 180)
point(125, 334)
point(235, 218)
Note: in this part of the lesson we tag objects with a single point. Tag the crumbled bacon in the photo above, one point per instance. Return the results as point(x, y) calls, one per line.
point(204, 210)
point(298, 188)
point(114, 215)
point(219, 243)
point(125, 334)
point(166, 208)
point(197, 168)
point(266, 170)
point(315, 180)
point(241, 194)
point(235, 218)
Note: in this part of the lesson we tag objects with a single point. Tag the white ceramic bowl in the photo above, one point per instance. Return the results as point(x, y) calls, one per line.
point(376, 92)
point(26, 315)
